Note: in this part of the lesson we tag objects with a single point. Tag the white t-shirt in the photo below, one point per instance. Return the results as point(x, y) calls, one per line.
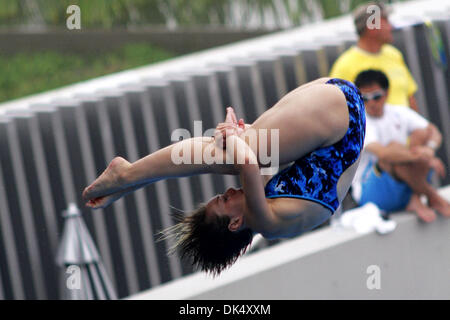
point(395, 125)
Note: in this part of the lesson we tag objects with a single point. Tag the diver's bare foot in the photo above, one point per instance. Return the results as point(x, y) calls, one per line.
point(104, 201)
point(109, 181)
point(439, 204)
point(425, 213)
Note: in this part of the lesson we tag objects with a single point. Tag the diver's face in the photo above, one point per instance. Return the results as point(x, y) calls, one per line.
point(374, 99)
point(231, 203)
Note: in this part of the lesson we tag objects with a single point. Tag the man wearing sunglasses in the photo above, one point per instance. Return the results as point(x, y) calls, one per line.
point(374, 51)
point(398, 155)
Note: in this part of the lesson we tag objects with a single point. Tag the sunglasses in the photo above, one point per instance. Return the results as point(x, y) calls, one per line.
point(374, 96)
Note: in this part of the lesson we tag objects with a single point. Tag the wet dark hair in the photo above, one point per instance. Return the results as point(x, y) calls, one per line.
point(207, 241)
point(370, 77)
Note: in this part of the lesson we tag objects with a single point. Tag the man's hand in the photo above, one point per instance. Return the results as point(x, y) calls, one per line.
point(423, 153)
point(426, 154)
point(438, 166)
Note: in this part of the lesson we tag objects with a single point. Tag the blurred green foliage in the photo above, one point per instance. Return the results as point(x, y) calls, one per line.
point(174, 13)
point(24, 74)
point(28, 73)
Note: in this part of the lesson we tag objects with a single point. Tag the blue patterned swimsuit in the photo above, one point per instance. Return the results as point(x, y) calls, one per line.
point(315, 176)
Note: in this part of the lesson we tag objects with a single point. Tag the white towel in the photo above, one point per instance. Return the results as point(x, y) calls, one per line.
point(366, 219)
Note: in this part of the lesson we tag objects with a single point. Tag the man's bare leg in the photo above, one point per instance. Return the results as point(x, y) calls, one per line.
point(423, 212)
point(438, 203)
point(415, 176)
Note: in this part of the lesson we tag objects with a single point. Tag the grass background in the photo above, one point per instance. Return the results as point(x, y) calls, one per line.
point(29, 73)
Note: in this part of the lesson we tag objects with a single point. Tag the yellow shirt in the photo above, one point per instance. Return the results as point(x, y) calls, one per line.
point(389, 60)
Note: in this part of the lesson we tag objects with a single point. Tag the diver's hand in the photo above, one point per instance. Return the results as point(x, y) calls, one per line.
point(228, 128)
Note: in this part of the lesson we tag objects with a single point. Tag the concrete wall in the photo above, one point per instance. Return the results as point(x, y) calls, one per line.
point(413, 262)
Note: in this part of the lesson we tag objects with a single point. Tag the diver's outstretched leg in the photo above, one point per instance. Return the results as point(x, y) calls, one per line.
point(104, 201)
point(121, 174)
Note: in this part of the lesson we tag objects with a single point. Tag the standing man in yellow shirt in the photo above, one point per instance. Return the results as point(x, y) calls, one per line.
point(374, 51)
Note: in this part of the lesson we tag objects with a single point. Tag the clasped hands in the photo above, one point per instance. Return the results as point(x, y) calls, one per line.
point(230, 127)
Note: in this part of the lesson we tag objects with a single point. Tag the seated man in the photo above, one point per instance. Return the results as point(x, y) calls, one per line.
point(393, 173)
point(375, 51)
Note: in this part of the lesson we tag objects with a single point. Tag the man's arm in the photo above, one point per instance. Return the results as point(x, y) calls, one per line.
point(413, 104)
point(435, 137)
point(427, 137)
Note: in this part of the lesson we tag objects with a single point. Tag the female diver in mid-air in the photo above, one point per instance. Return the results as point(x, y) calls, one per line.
point(321, 128)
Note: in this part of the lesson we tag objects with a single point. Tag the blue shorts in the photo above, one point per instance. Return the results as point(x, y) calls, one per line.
point(385, 191)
